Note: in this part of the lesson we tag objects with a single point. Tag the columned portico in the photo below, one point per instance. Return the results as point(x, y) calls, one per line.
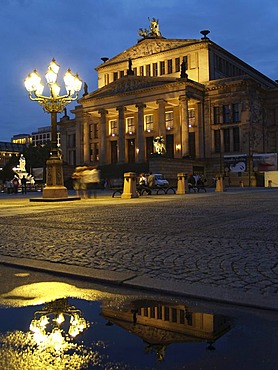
point(184, 125)
point(121, 136)
point(140, 134)
point(103, 141)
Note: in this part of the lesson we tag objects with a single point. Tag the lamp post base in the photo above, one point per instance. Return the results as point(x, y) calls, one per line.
point(55, 181)
point(55, 192)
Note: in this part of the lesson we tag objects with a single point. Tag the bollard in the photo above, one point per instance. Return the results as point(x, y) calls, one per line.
point(219, 184)
point(129, 190)
point(270, 183)
point(181, 188)
point(241, 184)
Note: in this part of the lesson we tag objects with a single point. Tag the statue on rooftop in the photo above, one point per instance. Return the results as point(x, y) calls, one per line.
point(154, 27)
point(153, 31)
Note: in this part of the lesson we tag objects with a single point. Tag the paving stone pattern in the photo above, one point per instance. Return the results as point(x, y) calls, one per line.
point(225, 240)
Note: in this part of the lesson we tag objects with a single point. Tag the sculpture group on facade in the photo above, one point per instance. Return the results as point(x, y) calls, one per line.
point(159, 145)
point(153, 31)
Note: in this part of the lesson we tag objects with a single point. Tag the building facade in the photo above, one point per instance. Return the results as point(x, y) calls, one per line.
point(203, 101)
point(43, 136)
point(7, 150)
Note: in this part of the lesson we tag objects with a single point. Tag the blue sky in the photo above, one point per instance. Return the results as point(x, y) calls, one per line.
point(77, 33)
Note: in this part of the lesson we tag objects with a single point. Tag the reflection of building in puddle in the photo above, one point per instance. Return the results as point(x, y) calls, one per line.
point(160, 325)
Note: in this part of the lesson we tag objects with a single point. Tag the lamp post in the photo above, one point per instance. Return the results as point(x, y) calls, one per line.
point(53, 104)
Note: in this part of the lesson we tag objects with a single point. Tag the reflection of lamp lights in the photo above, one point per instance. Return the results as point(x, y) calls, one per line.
point(47, 328)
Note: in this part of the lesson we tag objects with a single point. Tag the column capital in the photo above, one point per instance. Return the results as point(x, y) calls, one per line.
point(183, 98)
point(140, 105)
point(121, 108)
point(102, 111)
point(161, 101)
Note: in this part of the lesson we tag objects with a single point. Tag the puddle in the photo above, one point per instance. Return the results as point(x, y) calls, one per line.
point(57, 325)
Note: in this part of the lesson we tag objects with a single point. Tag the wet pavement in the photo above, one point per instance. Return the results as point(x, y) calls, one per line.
point(219, 246)
point(52, 322)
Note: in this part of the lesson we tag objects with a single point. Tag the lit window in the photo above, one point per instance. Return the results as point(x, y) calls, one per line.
point(149, 122)
point(113, 127)
point(130, 125)
point(191, 117)
point(169, 120)
point(106, 79)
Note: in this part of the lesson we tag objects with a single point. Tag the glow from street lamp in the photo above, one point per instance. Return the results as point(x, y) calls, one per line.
point(51, 76)
point(54, 66)
point(69, 82)
point(32, 81)
point(54, 103)
point(77, 83)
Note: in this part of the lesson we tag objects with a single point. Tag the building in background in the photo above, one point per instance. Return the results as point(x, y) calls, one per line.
point(205, 102)
point(7, 150)
point(24, 139)
point(43, 136)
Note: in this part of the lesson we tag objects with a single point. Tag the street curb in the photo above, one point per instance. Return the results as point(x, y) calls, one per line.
point(133, 281)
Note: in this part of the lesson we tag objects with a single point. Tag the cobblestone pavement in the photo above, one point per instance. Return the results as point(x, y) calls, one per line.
point(225, 241)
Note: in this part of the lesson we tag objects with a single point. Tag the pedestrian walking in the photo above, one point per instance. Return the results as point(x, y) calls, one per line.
point(76, 177)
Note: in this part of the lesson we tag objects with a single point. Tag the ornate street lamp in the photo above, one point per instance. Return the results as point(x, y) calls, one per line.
point(53, 104)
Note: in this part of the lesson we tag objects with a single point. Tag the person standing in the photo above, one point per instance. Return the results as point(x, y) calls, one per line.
point(151, 180)
point(24, 185)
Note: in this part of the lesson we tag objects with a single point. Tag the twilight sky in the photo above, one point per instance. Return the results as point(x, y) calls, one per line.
point(77, 33)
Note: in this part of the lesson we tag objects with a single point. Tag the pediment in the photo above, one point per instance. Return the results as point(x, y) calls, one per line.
point(129, 84)
point(148, 46)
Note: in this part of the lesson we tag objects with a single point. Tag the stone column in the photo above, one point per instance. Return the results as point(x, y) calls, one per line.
point(129, 190)
point(121, 137)
point(221, 159)
point(140, 133)
point(182, 188)
point(103, 141)
point(161, 118)
point(184, 125)
point(200, 147)
point(86, 137)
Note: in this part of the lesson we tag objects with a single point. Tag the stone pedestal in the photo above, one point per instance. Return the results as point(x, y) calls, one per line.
point(129, 190)
point(182, 185)
point(219, 184)
point(54, 179)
